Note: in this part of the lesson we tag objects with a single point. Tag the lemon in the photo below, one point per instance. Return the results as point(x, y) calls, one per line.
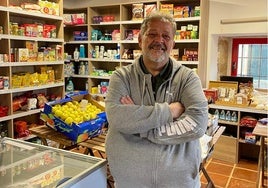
point(69, 120)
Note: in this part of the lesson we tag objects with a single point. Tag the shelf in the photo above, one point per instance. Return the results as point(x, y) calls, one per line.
point(19, 114)
point(235, 130)
point(100, 77)
point(242, 109)
point(24, 13)
point(105, 60)
point(21, 64)
point(189, 19)
point(228, 122)
point(72, 26)
point(104, 41)
point(77, 42)
point(38, 39)
point(187, 41)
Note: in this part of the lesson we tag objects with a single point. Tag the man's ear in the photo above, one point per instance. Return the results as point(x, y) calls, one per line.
point(140, 40)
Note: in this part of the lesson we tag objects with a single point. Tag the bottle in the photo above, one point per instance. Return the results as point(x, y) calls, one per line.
point(86, 68)
point(222, 115)
point(117, 56)
point(76, 54)
point(70, 86)
point(86, 85)
point(234, 117)
point(82, 68)
point(216, 114)
point(228, 116)
point(82, 51)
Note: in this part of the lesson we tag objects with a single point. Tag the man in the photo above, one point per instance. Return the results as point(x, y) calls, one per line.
point(156, 111)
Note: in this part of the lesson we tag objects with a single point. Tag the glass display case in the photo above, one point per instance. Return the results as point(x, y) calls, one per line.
point(25, 164)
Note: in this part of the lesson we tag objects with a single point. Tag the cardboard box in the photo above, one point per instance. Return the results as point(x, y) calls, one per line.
point(167, 8)
point(211, 95)
point(23, 54)
point(80, 35)
point(76, 132)
point(148, 9)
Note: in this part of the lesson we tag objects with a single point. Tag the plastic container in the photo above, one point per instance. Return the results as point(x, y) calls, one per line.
point(70, 86)
point(82, 53)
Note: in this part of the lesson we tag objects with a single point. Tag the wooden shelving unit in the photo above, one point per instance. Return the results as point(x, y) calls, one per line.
point(122, 13)
point(9, 14)
point(232, 145)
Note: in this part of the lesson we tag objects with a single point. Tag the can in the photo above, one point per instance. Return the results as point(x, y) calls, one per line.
point(1, 30)
point(6, 82)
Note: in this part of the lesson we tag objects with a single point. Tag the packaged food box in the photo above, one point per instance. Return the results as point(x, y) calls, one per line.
point(178, 11)
point(80, 35)
point(23, 54)
point(79, 18)
point(76, 131)
point(148, 9)
point(137, 11)
point(167, 8)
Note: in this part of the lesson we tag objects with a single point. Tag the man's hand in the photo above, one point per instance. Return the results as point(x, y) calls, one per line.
point(176, 109)
point(126, 100)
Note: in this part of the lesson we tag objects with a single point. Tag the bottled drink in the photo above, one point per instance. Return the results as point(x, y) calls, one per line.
point(222, 115)
point(82, 68)
point(216, 114)
point(228, 116)
point(234, 117)
point(86, 68)
point(70, 86)
point(76, 54)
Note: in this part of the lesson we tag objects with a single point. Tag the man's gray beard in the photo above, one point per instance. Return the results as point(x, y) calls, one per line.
point(158, 59)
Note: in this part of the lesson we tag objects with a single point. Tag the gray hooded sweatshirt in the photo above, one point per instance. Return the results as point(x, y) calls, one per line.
point(145, 146)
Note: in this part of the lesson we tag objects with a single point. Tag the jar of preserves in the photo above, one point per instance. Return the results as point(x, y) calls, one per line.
point(15, 28)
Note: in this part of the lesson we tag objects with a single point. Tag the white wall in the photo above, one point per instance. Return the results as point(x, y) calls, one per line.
point(233, 10)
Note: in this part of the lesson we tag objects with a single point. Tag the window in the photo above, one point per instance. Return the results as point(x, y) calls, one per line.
point(250, 58)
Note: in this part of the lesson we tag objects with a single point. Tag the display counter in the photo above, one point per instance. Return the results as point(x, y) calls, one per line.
point(25, 164)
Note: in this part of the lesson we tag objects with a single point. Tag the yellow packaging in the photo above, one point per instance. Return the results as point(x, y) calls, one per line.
point(178, 11)
point(23, 54)
point(167, 8)
point(51, 76)
point(26, 80)
point(49, 7)
point(43, 78)
point(34, 81)
point(16, 81)
point(137, 11)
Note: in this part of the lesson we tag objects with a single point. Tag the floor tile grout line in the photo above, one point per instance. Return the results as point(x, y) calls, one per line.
point(231, 175)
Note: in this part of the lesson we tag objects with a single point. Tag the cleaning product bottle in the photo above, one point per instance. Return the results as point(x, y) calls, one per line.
point(82, 51)
point(76, 54)
point(69, 86)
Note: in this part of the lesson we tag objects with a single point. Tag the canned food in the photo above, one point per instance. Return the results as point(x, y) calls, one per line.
point(6, 82)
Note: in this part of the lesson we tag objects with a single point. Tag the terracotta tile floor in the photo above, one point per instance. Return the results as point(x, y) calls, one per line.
point(230, 175)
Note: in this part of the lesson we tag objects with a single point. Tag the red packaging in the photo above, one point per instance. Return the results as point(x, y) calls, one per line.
point(211, 95)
